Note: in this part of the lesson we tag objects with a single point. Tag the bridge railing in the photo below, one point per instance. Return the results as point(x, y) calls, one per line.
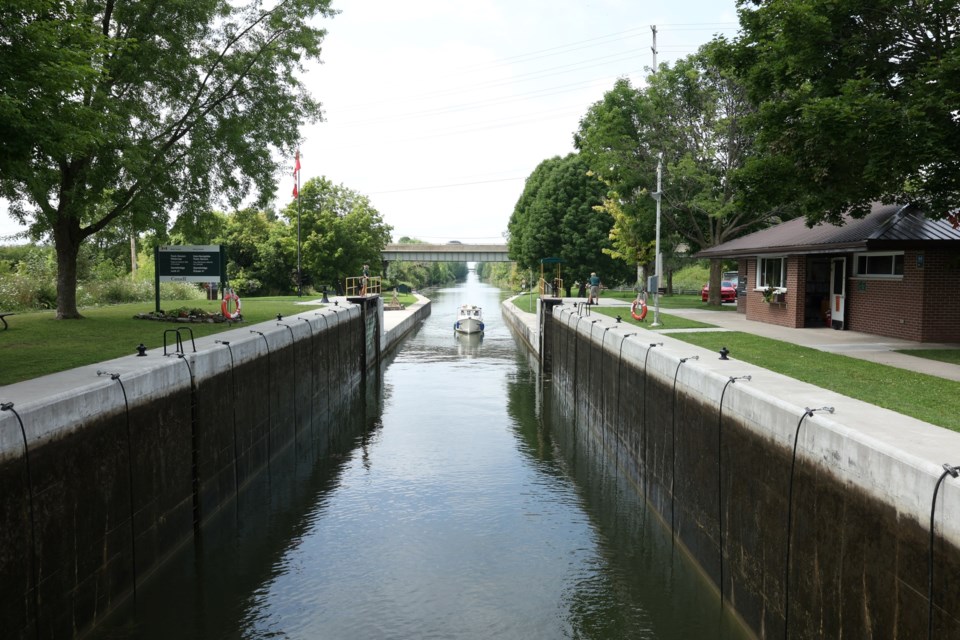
point(356, 288)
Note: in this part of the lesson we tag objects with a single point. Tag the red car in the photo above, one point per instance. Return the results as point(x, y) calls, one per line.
point(728, 292)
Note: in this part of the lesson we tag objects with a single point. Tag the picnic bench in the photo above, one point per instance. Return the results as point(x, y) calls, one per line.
point(3, 318)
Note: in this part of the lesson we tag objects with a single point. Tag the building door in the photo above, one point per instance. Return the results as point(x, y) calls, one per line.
point(838, 292)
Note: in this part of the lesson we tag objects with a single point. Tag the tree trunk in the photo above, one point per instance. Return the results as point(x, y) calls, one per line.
point(67, 239)
point(713, 296)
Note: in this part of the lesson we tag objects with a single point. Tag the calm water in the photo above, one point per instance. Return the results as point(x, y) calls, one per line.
point(457, 504)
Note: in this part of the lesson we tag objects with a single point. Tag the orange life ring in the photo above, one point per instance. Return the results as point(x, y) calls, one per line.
point(643, 309)
point(225, 305)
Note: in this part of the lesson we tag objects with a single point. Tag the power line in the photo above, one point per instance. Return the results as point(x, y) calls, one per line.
point(549, 52)
point(548, 91)
point(521, 78)
point(446, 186)
point(618, 35)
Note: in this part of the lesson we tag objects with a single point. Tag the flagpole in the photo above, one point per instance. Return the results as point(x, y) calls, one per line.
point(299, 275)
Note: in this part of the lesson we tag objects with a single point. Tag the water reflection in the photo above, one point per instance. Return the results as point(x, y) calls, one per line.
point(648, 587)
point(468, 344)
point(455, 501)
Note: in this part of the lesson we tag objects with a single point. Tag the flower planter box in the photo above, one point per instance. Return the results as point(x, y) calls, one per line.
point(775, 298)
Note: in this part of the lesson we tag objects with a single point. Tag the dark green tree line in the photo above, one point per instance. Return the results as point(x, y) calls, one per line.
point(557, 216)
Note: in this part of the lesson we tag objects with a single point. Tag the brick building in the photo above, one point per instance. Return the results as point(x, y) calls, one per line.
point(892, 273)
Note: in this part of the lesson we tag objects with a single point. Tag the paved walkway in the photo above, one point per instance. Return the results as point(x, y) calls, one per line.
point(855, 344)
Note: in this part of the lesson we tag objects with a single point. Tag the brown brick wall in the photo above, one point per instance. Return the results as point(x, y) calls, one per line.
point(788, 314)
point(889, 308)
point(941, 300)
point(923, 306)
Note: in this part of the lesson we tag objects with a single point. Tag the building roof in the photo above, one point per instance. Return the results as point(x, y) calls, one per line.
point(887, 226)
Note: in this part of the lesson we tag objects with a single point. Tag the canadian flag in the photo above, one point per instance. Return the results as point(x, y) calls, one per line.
point(296, 175)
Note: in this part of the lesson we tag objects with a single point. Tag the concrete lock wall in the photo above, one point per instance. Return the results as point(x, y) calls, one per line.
point(121, 471)
point(856, 501)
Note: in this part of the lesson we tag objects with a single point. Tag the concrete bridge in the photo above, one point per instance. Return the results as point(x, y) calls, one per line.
point(450, 252)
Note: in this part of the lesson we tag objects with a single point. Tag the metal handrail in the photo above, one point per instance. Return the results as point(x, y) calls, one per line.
point(355, 286)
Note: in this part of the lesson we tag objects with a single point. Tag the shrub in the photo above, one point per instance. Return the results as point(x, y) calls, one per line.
point(691, 278)
point(178, 291)
point(246, 286)
point(19, 292)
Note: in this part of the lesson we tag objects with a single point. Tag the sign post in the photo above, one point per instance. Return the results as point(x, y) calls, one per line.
point(188, 263)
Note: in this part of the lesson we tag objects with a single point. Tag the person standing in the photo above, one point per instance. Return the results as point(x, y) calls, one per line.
point(364, 279)
point(594, 282)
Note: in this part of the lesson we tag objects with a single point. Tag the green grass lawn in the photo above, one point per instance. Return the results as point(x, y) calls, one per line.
point(686, 301)
point(406, 299)
point(667, 321)
point(528, 303)
point(525, 301)
point(943, 355)
point(928, 398)
point(37, 343)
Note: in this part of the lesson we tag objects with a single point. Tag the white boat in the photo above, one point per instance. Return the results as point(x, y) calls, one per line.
point(469, 319)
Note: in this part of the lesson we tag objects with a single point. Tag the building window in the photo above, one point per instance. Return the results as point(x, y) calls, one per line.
point(771, 272)
point(879, 265)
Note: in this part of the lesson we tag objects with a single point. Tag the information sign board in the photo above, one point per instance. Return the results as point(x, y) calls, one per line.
point(188, 263)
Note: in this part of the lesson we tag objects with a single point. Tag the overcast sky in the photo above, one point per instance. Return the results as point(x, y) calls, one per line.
point(439, 109)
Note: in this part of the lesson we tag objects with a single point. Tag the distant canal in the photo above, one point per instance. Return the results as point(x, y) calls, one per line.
point(455, 503)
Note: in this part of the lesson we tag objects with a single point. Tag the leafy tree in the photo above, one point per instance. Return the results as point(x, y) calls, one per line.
point(142, 107)
point(43, 45)
point(530, 237)
point(258, 256)
point(199, 227)
point(556, 216)
point(692, 113)
point(340, 232)
point(857, 101)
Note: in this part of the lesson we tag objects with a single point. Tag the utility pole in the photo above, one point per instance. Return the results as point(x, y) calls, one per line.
point(653, 28)
point(657, 262)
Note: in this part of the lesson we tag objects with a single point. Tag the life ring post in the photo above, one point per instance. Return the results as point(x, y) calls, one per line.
point(228, 295)
point(642, 304)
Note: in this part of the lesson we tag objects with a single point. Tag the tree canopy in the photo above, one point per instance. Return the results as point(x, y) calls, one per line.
point(340, 231)
point(556, 216)
point(115, 114)
point(857, 101)
point(692, 113)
